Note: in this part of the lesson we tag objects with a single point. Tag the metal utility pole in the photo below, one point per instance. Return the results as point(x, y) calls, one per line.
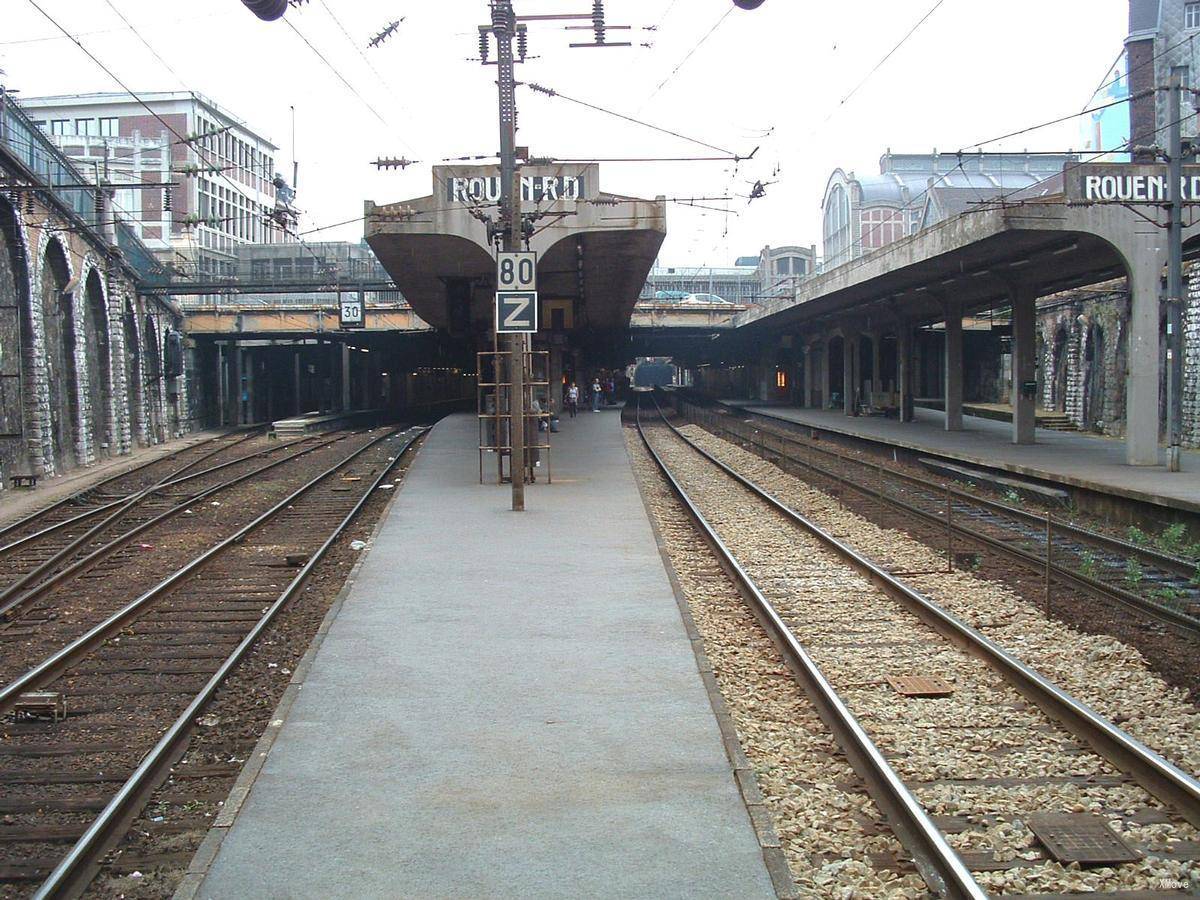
point(504, 27)
point(1175, 273)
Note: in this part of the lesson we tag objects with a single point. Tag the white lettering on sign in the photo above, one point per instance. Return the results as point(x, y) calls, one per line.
point(534, 189)
point(1137, 188)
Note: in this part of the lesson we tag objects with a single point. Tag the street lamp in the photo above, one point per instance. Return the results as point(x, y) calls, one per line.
point(270, 10)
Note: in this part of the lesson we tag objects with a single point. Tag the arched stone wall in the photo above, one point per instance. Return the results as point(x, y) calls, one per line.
point(17, 392)
point(98, 365)
point(152, 368)
point(133, 373)
point(58, 348)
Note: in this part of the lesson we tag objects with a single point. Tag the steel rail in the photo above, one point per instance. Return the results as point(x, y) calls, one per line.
point(11, 601)
point(56, 662)
point(173, 479)
point(76, 870)
point(66, 501)
point(938, 863)
point(1157, 775)
point(1108, 591)
point(1133, 601)
point(1178, 565)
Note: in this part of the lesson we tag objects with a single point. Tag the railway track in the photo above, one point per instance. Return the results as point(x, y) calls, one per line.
point(966, 778)
point(137, 683)
point(108, 493)
point(33, 564)
point(1137, 578)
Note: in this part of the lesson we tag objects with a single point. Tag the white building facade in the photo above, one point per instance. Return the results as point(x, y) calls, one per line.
point(226, 193)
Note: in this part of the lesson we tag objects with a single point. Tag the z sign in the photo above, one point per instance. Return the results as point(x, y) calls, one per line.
point(516, 312)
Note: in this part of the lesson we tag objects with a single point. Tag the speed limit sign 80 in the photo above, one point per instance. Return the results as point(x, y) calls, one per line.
point(516, 272)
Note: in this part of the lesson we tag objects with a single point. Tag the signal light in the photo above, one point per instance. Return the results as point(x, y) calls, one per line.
point(748, 4)
point(267, 10)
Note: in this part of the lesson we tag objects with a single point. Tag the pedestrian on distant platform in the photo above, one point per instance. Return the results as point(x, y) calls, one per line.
point(596, 395)
point(573, 399)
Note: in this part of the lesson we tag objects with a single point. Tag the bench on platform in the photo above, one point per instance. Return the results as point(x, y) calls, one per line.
point(23, 481)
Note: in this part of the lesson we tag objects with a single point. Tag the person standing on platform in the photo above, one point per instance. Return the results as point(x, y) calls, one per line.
point(596, 394)
point(573, 399)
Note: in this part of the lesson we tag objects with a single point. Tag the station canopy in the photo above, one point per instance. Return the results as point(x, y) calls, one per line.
point(595, 249)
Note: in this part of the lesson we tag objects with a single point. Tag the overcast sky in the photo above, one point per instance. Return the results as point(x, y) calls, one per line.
point(777, 77)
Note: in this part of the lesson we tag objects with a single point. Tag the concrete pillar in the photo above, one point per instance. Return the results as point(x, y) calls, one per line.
point(250, 389)
point(1024, 365)
point(1142, 385)
point(849, 371)
point(297, 396)
point(345, 355)
point(236, 357)
point(806, 398)
point(824, 363)
point(222, 387)
point(954, 367)
point(904, 371)
point(877, 381)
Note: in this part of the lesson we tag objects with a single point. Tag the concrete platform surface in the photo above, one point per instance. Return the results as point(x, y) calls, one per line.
point(1082, 460)
point(505, 706)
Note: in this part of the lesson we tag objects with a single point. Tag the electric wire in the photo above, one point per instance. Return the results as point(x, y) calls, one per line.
point(550, 92)
point(690, 54)
point(334, 70)
point(879, 65)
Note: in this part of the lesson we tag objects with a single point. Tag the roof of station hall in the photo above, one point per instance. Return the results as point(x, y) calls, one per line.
point(905, 177)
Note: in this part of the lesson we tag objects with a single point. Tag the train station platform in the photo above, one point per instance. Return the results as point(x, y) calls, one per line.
point(505, 705)
point(1090, 462)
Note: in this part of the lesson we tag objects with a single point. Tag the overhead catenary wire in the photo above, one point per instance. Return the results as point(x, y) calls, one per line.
point(334, 70)
point(1061, 119)
point(550, 92)
point(879, 65)
point(692, 52)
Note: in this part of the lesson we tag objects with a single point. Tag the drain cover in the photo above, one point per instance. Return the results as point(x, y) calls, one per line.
point(1080, 838)
point(919, 686)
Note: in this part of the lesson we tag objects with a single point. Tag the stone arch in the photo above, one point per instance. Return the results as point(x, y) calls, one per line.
point(98, 358)
point(59, 345)
point(1057, 376)
point(19, 434)
point(133, 372)
point(152, 369)
point(1096, 378)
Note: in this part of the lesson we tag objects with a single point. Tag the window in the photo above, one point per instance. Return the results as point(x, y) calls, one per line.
point(110, 127)
point(85, 127)
point(837, 227)
point(783, 266)
point(881, 226)
point(60, 126)
point(1191, 15)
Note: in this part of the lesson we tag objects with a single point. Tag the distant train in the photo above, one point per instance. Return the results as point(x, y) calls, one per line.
point(654, 372)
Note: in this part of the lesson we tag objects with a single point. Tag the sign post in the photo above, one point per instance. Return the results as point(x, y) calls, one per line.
point(517, 316)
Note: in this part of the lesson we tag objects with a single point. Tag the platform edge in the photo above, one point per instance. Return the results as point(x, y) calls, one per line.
point(740, 767)
point(206, 853)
